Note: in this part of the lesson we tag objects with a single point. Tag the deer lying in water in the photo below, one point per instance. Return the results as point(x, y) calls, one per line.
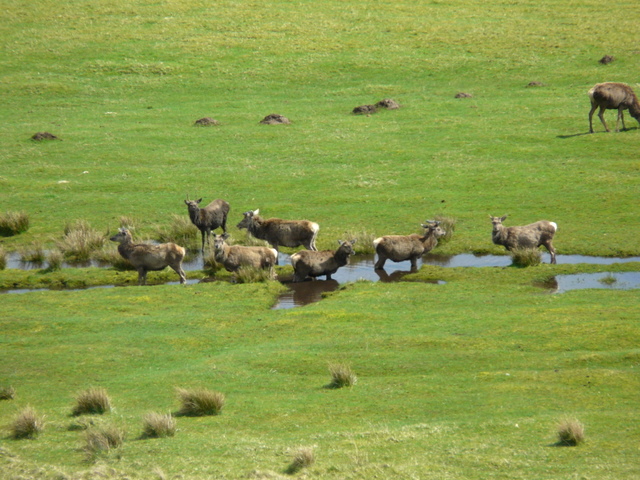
point(527, 236)
point(399, 248)
point(232, 257)
point(613, 96)
point(145, 257)
point(307, 263)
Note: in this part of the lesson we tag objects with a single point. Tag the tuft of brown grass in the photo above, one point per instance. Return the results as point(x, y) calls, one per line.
point(448, 224)
point(180, 231)
point(33, 254)
point(27, 424)
point(80, 240)
point(526, 257)
point(13, 223)
point(7, 393)
point(92, 401)
point(248, 274)
point(102, 439)
point(55, 258)
point(341, 376)
point(157, 425)
point(109, 255)
point(364, 243)
point(3, 258)
point(199, 402)
point(303, 457)
point(570, 432)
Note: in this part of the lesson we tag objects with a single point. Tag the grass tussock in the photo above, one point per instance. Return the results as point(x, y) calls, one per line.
point(55, 258)
point(92, 401)
point(33, 253)
point(448, 224)
point(102, 439)
point(608, 280)
point(27, 424)
point(341, 376)
point(254, 275)
point(80, 240)
point(303, 457)
point(364, 241)
point(109, 255)
point(158, 425)
point(526, 257)
point(180, 231)
point(7, 393)
point(570, 432)
point(3, 258)
point(199, 402)
point(13, 223)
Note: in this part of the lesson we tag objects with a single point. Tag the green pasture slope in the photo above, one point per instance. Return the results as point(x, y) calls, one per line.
point(463, 380)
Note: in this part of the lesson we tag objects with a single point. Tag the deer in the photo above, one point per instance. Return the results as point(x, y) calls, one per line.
point(232, 257)
point(528, 236)
point(209, 218)
point(147, 258)
point(309, 263)
point(399, 248)
point(278, 232)
point(613, 96)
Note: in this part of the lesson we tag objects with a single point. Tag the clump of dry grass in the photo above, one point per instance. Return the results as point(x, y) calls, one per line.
point(102, 439)
point(526, 257)
point(199, 402)
point(157, 425)
point(303, 457)
point(248, 274)
point(570, 432)
point(33, 253)
point(364, 241)
point(3, 258)
point(7, 393)
point(92, 401)
point(55, 258)
point(181, 231)
point(341, 376)
point(27, 424)
point(80, 241)
point(13, 223)
point(109, 255)
point(448, 224)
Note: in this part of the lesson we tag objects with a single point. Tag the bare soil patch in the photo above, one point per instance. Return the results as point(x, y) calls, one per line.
point(275, 119)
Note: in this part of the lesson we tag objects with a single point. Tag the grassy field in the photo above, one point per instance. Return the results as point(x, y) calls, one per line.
point(457, 381)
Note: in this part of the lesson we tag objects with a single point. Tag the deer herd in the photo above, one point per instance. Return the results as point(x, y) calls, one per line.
point(308, 263)
point(311, 263)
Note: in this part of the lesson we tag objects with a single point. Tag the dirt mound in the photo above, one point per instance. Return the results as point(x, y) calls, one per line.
point(388, 103)
point(44, 136)
point(365, 110)
point(463, 95)
point(535, 84)
point(606, 59)
point(206, 122)
point(274, 119)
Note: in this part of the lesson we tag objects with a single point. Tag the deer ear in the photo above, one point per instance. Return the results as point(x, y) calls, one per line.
point(503, 218)
point(353, 241)
point(256, 211)
point(224, 236)
point(186, 202)
point(340, 242)
point(198, 201)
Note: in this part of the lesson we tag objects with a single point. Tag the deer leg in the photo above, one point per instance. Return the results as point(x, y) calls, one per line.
point(414, 263)
point(593, 109)
point(601, 115)
point(180, 272)
point(142, 276)
point(552, 251)
point(380, 263)
point(621, 116)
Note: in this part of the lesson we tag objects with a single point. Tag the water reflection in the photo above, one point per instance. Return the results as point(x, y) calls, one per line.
point(601, 280)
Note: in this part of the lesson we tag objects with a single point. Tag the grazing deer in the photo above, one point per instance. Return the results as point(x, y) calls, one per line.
point(145, 257)
point(527, 236)
point(399, 248)
point(613, 96)
point(208, 218)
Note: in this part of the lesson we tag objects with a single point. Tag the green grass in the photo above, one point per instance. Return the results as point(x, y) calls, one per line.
point(465, 380)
